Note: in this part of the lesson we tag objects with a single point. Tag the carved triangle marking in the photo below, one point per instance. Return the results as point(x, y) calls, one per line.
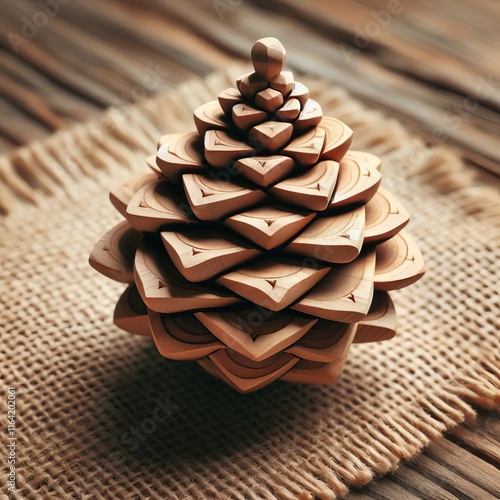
point(269, 222)
point(351, 297)
point(195, 252)
point(205, 193)
point(162, 284)
point(143, 204)
point(106, 248)
point(272, 283)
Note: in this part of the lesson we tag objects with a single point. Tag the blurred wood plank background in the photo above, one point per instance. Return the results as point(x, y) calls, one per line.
point(434, 64)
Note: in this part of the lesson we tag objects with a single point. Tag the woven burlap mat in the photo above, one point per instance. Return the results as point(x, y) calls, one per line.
point(101, 415)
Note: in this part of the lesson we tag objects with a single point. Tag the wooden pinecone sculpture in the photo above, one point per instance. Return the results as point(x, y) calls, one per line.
point(258, 245)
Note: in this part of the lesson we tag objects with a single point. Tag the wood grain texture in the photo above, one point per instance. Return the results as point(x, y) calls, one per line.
point(254, 333)
point(246, 378)
point(156, 205)
point(345, 294)
point(163, 289)
point(332, 238)
point(182, 337)
point(180, 153)
point(269, 226)
point(131, 313)
point(274, 283)
point(325, 342)
point(203, 254)
point(380, 323)
point(311, 190)
point(357, 183)
point(212, 199)
point(397, 70)
point(385, 217)
point(399, 263)
point(122, 193)
point(265, 170)
point(432, 66)
point(113, 254)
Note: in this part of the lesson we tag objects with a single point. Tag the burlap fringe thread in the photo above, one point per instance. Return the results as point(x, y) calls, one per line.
point(31, 173)
point(92, 153)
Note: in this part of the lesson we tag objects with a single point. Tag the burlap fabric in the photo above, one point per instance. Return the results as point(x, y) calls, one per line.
point(101, 415)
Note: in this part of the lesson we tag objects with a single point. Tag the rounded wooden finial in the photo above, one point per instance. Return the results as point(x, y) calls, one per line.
point(268, 57)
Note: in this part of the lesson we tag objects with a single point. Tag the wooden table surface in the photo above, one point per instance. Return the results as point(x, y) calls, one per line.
point(434, 64)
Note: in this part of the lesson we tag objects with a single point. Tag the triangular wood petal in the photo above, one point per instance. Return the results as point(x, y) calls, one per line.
point(385, 217)
point(165, 290)
point(265, 170)
point(306, 148)
point(121, 193)
point(345, 294)
point(231, 372)
point(311, 190)
point(269, 99)
point(113, 254)
point(336, 238)
point(182, 337)
point(270, 136)
point(256, 333)
point(151, 163)
point(131, 314)
point(229, 98)
point(221, 149)
point(283, 83)
point(309, 117)
point(269, 226)
point(325, 342)
point(212, 199)
point(202, 254)
point(357, 183)
point(310, 372)
point(289, 111)
point(300, 92)
point(181, 153)
point(245, 116)
point(380, 322)
point(399, 263)
point(158, 204)
point(249, 84)
point(210, 116)
point(366, 158)
point(274, 283)
point(338, 138)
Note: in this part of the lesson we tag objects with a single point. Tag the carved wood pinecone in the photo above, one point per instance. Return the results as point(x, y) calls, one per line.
point(259, 245)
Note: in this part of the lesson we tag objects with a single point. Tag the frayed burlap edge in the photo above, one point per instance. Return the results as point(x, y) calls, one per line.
point(43, 168)
point(90, 154)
